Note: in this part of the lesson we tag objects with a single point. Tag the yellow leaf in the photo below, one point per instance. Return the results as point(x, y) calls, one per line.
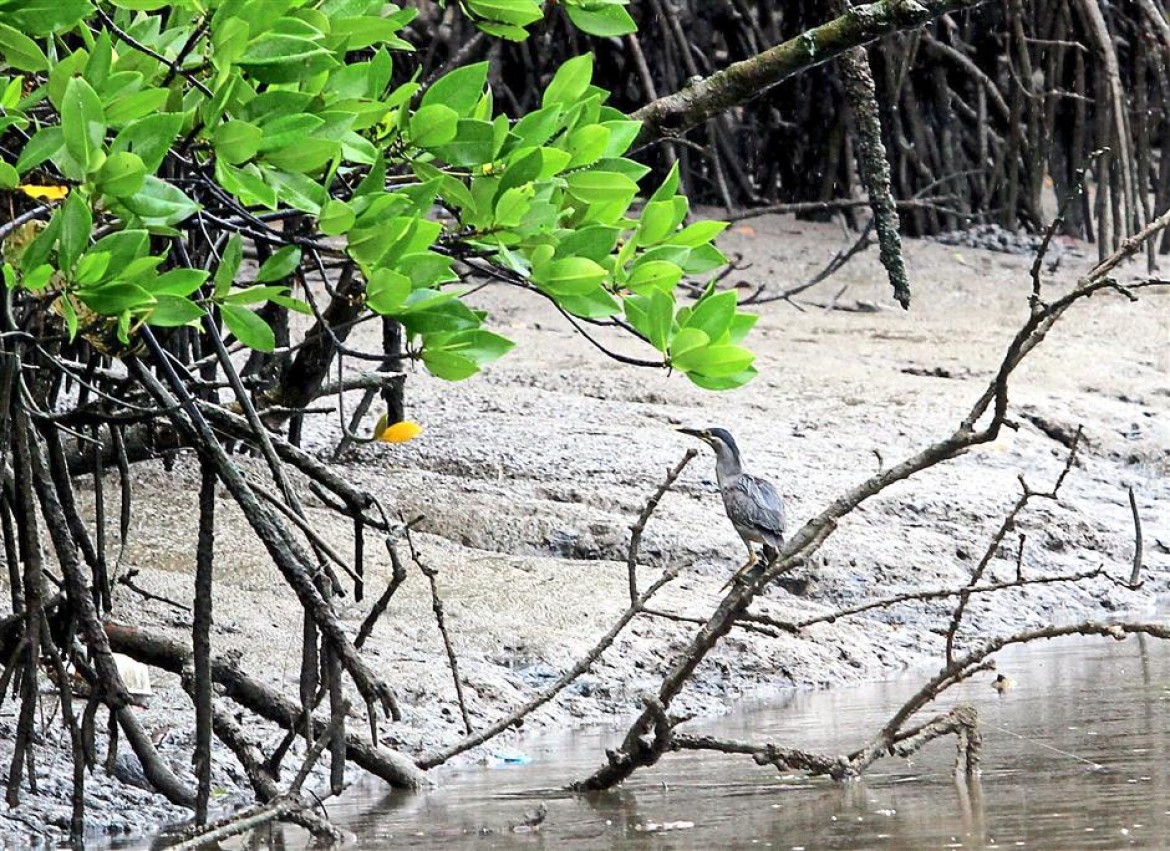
point(398, 432)
point(48, 193)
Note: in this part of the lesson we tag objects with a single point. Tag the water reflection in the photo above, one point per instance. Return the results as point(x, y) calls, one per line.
point(1075, 756)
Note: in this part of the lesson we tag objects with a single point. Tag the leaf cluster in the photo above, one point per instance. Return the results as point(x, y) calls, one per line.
point(215, 120)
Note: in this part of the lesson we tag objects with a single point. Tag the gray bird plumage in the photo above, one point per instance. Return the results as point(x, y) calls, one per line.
point(752, 504)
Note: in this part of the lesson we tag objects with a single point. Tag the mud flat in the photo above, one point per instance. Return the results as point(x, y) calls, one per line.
point(530, 475)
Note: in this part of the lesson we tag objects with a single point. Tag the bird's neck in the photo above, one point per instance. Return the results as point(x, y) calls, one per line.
point(727, 466)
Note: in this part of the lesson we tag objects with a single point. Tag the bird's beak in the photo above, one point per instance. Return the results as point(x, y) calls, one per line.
point(693, 432)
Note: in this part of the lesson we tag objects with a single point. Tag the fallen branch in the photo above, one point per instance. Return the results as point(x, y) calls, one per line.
point(162, 652)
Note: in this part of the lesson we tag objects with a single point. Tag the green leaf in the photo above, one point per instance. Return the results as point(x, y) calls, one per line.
point(517, 13)
point(114, 299)
point(21, 52)
point(448, 365)
point(604, 21)
point(140, 5)
point(512, 205)
point(458, 355)
point(39, 278)
point(161, 203)
point(713, 314)
point(729, 382)
point(686, 339)
point(280, 265)
point(697, 234)
point(704, 258)
point(294, 304)
point(537, 127)
point(634, 171)
point(433, 125)
point(170, 311)
point(256, 294)
point(150, 137)
point(601, 187)
point(38, 250)
point(669, 186)
point(69, 65)
point(140, 268)
point(178, 282)
point(621, 135)
point(595, 242)
point(42, 17)
point(69, 311)
point(127, 108)
point(336, 218)
point(587, 145)
point(474, 143)
point(596, 304)
point(297, 190)
point(277, 57)
point(660, 319)
point(659, 220)
point(360, 32)
point(246, 184)
point(285, 130)
point(212, 110)
point(91, 268)
point(229, 265)
point(535, 165)
point(46, 143)
point(248, 327)
point(9, 177)
point(123, 246)
point(570, 276)
point(741, 326)
point(237, 141)
point(97, 68)
point(76, 227)
point(122, 174)
point(659, 274)
point(570, 81)
point(387, 291)
point(426, 269)
point(459, 90)
point(717, 361)
point(476, 344)
point(84, 123)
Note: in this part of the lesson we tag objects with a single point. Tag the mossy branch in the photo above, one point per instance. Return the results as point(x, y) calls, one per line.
point(741, 82)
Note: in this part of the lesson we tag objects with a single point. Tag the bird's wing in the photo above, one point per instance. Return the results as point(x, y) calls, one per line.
point(760, 505)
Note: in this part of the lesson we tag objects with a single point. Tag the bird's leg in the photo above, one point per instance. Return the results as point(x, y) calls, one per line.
point(748, 565)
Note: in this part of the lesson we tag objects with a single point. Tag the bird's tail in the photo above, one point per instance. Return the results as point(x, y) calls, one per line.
point(770, 553)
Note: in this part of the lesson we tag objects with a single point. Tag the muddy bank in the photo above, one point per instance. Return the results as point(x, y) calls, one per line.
point(529, 476)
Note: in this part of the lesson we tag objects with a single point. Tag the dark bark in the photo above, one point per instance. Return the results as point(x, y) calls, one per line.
point(170, 655)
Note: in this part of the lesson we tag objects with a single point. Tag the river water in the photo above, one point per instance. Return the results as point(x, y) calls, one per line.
point(1076, 755)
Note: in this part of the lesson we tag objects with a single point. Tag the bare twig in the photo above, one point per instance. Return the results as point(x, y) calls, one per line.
point(1136, 575)
point(583, 665)
point(432, 576)
point(640, 526)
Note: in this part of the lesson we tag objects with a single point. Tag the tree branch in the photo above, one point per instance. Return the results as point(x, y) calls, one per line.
point(741, 82)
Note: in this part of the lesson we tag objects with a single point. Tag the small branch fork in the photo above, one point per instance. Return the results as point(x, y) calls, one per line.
point(1009, 523)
